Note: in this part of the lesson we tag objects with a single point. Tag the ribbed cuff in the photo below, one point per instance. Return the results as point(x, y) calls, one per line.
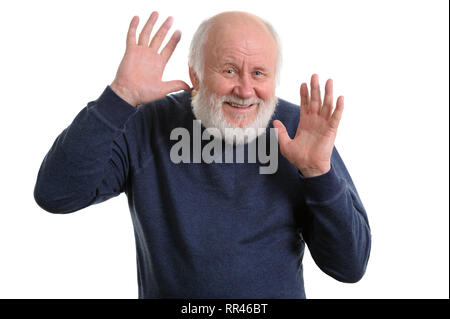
point(113, 108)
point(322, 188)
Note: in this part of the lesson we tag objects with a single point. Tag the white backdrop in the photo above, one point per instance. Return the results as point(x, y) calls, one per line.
point(388, 58)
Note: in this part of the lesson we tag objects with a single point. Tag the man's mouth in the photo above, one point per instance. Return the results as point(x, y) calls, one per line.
point(239, 106)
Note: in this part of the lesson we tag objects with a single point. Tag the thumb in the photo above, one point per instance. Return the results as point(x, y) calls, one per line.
point(282, 134)
point(174, 86)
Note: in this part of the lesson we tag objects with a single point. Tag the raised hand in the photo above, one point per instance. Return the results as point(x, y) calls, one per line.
point(139, 77)
point(310, 150)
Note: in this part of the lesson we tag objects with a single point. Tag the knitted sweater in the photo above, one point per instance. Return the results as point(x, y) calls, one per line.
point(206, 230)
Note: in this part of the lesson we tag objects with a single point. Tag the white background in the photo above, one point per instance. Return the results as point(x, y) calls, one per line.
point(388, 58)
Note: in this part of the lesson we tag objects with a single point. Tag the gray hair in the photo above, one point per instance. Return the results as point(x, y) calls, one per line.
point(196, 59)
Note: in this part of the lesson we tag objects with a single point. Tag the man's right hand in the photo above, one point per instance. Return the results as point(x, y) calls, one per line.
point(139, 77)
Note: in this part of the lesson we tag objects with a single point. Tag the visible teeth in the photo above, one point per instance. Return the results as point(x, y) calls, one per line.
point(237, 105)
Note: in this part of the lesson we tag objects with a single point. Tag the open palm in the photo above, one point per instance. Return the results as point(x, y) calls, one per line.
point(139, 77)
point(311, 148)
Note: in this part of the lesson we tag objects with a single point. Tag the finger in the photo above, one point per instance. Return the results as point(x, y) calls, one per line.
point(147, 29)
point(175, 86)
point(337, 114)
point(282, 135)
point(161, 34)
point(304, 105)
point(166, 53)
point(304, 97)
point(316, 102)
point(131, 35)
point(328, 99)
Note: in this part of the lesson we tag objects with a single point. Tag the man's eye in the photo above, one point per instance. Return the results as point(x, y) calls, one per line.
point(229, 71)
point(258, 73)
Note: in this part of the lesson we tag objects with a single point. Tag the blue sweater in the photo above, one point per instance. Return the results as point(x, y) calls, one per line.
point(216, 230)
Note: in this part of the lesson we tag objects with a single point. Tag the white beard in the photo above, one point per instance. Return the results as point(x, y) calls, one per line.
point(207, 107)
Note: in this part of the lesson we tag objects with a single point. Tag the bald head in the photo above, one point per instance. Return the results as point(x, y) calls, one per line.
point(214, 34)
point(236, 21)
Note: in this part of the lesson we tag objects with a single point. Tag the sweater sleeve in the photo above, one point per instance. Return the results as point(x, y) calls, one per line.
point(88, 162)
point(335, 226)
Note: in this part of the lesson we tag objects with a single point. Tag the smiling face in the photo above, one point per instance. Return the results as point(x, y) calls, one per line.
point(240, 56)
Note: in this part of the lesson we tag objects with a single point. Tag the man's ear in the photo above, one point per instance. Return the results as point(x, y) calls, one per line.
point(194, 79)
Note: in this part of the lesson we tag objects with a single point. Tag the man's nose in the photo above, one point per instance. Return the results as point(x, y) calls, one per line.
point(244, 88)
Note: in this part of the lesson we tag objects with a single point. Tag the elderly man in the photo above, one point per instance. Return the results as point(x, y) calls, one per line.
point(214, 229)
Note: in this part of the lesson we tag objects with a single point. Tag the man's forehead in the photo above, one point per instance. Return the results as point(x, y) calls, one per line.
point(259, 52)
point(257, 59)
point(236, 44)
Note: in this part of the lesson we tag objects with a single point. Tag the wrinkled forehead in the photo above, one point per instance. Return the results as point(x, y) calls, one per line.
point(236, 41)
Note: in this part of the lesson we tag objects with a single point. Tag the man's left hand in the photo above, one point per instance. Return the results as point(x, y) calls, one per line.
point(310, 150)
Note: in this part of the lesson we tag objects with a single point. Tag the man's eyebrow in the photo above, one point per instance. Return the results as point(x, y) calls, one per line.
point(260, 67)
point(229, 62)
